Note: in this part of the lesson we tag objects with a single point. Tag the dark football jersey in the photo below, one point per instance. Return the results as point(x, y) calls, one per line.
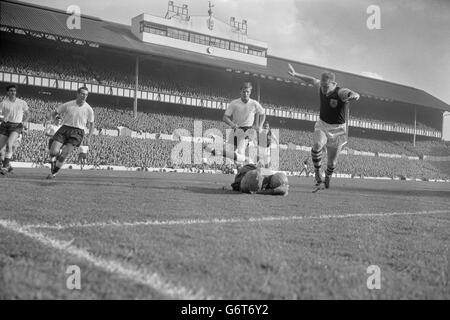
point(332, 108)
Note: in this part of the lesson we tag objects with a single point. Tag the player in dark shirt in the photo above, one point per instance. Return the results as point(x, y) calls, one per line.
point(330, 130)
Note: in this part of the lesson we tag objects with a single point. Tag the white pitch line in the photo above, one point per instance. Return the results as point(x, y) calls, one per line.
point(149, 279)
point(225, 220)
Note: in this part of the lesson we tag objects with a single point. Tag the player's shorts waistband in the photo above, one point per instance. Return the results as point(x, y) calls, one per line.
point(245, 128)
point(70, 127)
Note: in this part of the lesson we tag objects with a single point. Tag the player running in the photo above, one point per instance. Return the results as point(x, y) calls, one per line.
point(15, 113)
point(77, 117)
point(330, 130)
point(82, 156)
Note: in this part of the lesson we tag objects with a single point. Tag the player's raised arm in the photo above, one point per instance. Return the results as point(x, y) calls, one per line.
point(306, 79)
point(347, 94)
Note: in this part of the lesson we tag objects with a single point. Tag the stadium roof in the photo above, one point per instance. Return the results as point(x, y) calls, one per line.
point(96, 31)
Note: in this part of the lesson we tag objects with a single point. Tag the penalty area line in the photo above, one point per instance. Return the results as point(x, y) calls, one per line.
point(143, 277)
point(227, 220)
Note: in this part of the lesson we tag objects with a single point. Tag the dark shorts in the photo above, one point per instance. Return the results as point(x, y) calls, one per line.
point(69, 135)
point(82, 156)
point(6, 128)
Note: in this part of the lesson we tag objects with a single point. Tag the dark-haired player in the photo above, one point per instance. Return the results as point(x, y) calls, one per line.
point(15, 113)
point(330, 130)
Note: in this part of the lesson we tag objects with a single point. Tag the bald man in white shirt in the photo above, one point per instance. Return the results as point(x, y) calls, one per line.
point(15, 113)
point(77, 116)
point(240, 116)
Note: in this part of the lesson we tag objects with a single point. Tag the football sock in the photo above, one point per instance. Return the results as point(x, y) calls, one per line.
point(55, 169)
point(6, 162)
point(316, 158)
point(329, 171)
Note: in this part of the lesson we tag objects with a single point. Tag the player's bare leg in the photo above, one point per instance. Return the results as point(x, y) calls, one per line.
point(2, 157)
point(65, 152)
point(55, 151)
point(9, 143)
point(320, 139)
point(333, 153)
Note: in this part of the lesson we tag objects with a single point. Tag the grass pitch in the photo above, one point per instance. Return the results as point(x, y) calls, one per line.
point(140, 235)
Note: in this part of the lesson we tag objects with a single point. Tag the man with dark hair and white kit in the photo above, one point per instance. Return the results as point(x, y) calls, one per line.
point(15, 113)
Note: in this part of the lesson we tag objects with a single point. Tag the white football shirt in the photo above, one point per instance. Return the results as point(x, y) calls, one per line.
point(74, 115)
point(243, 114)
point(13, 111)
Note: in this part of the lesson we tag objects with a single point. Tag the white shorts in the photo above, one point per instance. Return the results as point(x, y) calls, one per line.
point(336, 133)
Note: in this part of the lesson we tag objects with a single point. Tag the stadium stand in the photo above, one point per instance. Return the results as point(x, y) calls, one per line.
point(69, 63)
point(147, 153)
point(112, 117)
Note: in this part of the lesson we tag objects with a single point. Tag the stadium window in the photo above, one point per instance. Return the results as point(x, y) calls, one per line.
point(161, 31)
point(178, 34)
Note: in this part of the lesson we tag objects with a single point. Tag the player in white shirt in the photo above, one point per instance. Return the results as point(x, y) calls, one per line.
point(15, 113)
point(82, 156)
point(77, 116)
point(240, 116)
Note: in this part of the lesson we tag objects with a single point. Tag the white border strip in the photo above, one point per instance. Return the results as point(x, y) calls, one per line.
point(146, 278)
point(230, 220)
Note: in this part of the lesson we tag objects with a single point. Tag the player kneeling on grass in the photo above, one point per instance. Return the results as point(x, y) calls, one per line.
point(77, 115)
point(82, 156)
